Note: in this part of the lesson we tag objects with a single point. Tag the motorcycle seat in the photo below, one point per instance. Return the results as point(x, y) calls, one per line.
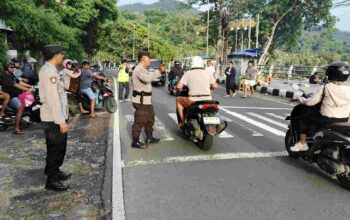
point(206, 102)
point(343, 128)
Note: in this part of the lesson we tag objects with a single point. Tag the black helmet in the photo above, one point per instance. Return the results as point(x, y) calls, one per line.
point(7, 65)
point(338, 71)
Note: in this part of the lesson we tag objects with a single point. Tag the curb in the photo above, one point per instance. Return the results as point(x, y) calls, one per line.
point(278, 92)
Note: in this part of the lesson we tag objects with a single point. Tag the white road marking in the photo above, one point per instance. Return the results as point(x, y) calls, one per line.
point(212, 157)
point(254, 133)
point(260, 97)
point(223, 134)
point(276, 116)
point(255, 123)
point(225, 118)
point(118, 209)
point(159, 127)
point(258, 108)
point(268, 120)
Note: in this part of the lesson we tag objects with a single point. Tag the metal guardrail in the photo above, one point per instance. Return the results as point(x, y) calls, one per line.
point(291, 72)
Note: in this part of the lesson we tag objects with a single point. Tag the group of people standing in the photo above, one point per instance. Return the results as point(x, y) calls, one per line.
point(236, 81)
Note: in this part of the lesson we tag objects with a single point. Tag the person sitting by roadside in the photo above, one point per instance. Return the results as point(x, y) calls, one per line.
point(71, 81)
point(86, 78)
point(250, 80)
point(14, 87)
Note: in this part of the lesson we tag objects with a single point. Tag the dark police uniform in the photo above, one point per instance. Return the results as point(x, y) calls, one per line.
point(142, 101)
point(54, 111)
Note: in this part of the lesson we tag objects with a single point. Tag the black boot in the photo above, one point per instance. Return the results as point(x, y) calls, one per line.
point(63, 176)
point(151, 140)
point(53, 183)
point(138, 144)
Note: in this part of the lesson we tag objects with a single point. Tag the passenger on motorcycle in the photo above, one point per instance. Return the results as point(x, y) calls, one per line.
point(14, 87)
point(87, 77)
point(334, 99)
point(199, 82)
point(175, 71)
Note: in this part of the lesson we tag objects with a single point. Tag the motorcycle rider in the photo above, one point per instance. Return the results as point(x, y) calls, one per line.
point(175, 71)
point(334, 98)
point(14, 87)
point(199, 82)
point(87, 77)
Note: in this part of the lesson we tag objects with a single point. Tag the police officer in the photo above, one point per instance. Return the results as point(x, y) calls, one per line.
point(142, 102)
point(123, 81)
point(54, 115)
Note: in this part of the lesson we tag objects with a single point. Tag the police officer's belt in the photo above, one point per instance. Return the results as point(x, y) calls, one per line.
point(199, 95)
point(142, 94)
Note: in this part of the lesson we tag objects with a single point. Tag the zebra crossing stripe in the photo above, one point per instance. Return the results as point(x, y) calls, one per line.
point(255, 123)
point(225, 118)
point(276, 116)
point(159, 127)
point(224, 134)
point(268, 120)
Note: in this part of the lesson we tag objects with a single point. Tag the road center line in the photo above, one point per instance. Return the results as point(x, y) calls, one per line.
point(212, 157)
point(118, 208)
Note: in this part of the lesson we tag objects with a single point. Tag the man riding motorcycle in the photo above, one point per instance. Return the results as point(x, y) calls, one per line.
point(334, 101)
point(199, 82)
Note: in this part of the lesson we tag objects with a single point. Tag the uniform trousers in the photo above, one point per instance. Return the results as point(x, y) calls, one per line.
point(144, 118)
point(56, 144)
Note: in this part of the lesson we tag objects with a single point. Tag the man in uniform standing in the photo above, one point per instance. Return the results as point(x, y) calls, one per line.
point(123, 81)
point(54, 115)
point(142, 100)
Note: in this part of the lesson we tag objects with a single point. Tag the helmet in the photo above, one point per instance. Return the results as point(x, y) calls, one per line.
point(177, 62)
point(7, 65)
point(66, 62)
point(338, 71)
point(197, 63)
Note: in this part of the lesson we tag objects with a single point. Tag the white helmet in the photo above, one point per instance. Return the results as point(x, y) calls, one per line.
point(197, 63)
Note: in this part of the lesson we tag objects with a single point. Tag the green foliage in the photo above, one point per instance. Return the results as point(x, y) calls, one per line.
point(3, 49)
point(75, 24)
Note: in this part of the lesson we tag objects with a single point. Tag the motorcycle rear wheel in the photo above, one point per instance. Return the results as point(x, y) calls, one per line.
point(206, 143)
point(110, 104)
point(3, 127)
point(289, 142)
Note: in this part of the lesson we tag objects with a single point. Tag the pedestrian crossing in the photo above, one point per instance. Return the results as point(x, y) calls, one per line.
point(256, 123)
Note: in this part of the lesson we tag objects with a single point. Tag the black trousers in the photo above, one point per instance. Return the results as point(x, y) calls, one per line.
point(56, 144)
point(144, 118)
point(122, 86)
point(230, 86)
point(309, 125)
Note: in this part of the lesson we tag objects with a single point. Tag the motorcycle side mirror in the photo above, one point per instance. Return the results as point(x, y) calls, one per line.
point(296, 86)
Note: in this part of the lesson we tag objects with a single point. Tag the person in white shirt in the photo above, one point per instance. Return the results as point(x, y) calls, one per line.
point(210, 68)
point(335, 103)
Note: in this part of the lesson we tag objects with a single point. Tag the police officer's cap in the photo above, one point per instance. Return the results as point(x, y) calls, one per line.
point(49, 51)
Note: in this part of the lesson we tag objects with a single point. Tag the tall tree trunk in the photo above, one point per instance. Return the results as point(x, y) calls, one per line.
point(263, 58)
point(219, 42)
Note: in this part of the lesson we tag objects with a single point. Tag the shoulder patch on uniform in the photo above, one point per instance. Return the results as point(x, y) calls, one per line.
point(53, 79)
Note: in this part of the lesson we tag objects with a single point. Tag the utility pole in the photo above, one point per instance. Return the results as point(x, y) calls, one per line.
point(257, 31)
point(148, 34)
point(133, 45)
point(207, 52)
point(236, 44)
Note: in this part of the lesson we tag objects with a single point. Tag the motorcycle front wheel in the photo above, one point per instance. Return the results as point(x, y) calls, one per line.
point(206, 143)
point(344, 181)
point(110, 104)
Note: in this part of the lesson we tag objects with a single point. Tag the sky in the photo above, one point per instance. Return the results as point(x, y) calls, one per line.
point(343, 14)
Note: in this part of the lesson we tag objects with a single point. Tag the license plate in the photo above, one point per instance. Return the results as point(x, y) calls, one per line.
point(211, 120)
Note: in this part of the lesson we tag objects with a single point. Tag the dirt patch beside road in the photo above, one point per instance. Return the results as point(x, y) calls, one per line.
point(22, 181)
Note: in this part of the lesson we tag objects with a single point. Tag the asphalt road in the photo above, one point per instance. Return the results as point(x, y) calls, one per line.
point(246, 175)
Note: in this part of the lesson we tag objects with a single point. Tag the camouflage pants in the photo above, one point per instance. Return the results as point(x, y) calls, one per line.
point(144, 118)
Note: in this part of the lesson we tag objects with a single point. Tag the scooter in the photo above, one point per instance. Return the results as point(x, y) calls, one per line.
point(202, 124)
point(104, 95)
point(329, 148)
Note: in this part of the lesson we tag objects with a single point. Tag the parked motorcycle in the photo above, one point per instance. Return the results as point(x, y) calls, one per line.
point(202, 124)
point(329, 148)
point(104, 95)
